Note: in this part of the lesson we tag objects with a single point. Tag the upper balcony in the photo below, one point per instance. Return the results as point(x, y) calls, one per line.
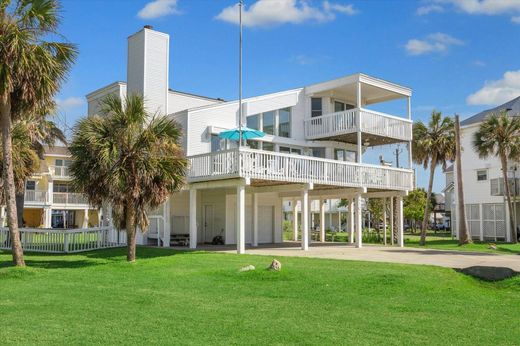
point(338, 110)
point(267, 167)
point(378, 128)
point(60, 172)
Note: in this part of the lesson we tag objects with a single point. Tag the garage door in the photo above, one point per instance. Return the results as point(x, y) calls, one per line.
point(265, 224)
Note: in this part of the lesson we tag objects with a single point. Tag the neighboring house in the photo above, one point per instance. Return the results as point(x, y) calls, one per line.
point(50, 201)
point(486, 210)
point(312, 151)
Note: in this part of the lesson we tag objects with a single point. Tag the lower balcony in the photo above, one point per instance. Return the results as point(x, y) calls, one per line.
point(377, 128)
point(266, 167)
point(69, 198)
point(35, 197)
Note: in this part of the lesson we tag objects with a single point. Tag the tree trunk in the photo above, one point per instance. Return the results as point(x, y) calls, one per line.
point(464, 236)
point(131, 233)
point(20, 200)
point(426, 217)
point(8, 177)
point(503, 160)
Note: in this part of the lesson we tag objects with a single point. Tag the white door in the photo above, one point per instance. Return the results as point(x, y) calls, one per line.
point(208, 223)
point(266, 224)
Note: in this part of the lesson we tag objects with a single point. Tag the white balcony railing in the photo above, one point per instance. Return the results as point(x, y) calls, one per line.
point(69, 198)
point(35, 196)
point(376, 123)
point(273, 166)
point(60, 171)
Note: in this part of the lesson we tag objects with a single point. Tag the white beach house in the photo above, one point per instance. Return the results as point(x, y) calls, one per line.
point(316, 137)
point(486, 209)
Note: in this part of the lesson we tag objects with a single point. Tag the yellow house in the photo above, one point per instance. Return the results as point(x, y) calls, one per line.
point(51, 202)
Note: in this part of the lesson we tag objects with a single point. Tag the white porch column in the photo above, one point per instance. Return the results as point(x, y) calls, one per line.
point(85, 219)
point(3, 216)
point(193, 218)
point(351, 221)
point(167, 224)
point(255, 219)
point(400, 226)
point(295, 219)
point(384, 221)
point(47, 218)
point(359, 143)
point(305, 219)
point(391, 221)
point(358, 222)
point(50, 190)
point(322, 220)
point(339, 221)
point(241, 219)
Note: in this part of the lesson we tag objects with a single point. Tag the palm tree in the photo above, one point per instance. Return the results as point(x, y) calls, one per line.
point(433, 144)
point(499, 135)
point(129, 159)
point(31, 72)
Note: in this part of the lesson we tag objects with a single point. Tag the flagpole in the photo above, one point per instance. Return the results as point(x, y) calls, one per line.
point(240, 4)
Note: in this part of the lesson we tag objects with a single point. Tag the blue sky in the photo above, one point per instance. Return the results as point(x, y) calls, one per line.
point(458, 56)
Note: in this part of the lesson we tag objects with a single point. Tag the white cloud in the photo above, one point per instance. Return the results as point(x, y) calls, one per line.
point(70, 102)
point(433, 43)
point(424, 10)
point(479, 63)
point(515, 20)
point(486, 7)
point(276, 12)
point(498, 91)
point(158, 8)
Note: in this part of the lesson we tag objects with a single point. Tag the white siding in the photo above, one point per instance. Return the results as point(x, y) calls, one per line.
point(148, 58)
point(179, 101)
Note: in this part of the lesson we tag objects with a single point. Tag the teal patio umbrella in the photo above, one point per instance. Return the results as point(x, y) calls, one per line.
point(247, 133)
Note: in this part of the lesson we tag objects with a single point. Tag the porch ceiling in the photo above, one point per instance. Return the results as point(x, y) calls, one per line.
point(351, 138)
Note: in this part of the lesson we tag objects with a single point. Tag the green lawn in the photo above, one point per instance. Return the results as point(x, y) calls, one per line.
point(172, 297)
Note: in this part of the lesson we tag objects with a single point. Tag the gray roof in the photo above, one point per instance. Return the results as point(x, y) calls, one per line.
point(513, 105)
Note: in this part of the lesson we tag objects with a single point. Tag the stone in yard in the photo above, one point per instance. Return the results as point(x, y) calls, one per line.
point(492, 246)
point(275, 265)
point(489, 273)
point(247, 268)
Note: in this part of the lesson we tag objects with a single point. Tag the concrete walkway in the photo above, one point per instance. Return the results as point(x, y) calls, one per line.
point(407, 255)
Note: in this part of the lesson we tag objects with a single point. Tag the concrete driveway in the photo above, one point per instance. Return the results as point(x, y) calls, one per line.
point(407, 255)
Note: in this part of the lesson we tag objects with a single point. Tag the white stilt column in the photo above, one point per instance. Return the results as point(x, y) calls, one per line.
point(241, 219)
point(167, 225)
point(391, 220)
point(384, 221)
point(47, 218)
point(359, 226)
point(339, 221)
point(295, 219)
point(85, 218)
point(322, 220)
point(255, 219)
point(359, 144)
point(351, 221)
point(305, 219)
point(193, 218)
point(400, 226)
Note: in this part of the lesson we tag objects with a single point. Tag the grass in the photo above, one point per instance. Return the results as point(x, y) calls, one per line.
point(170, 297)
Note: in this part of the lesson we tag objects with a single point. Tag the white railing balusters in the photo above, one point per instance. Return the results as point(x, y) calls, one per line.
point(267, 165)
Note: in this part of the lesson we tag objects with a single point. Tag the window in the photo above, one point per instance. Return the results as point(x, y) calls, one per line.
point(253, 144)
point(61, 187)
point(253, 121)
point(268, 146)
point(217, 143)
point(318, 152)
point(482, 175)
point(341, 106)
point(268, 122)
point(344, 155)
point(289, 150)
point(316, 107)
point(30, 185)
point(63, 163)
point(284, 122)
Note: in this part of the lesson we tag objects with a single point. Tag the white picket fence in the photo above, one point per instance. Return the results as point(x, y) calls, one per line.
point(65, 240)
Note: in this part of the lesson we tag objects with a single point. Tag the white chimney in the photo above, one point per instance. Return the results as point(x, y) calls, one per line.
point(147, 68)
